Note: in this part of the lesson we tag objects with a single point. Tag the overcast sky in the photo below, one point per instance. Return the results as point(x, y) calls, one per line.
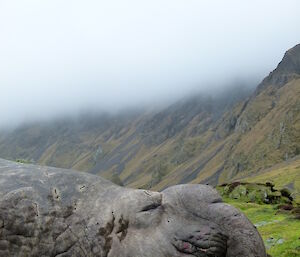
point(61, 56)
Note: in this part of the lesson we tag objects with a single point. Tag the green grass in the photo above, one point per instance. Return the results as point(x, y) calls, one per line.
point(279, 230)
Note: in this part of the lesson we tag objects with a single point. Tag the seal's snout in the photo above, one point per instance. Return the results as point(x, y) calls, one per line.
point(204, 242)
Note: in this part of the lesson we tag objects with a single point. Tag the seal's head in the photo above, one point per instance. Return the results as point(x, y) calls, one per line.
point(52, 212)
point(183, 220)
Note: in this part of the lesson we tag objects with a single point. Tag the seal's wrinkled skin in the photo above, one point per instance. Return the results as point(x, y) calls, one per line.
point(54, 212)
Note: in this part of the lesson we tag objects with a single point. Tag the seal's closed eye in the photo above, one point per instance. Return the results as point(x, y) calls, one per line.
point(150, 207)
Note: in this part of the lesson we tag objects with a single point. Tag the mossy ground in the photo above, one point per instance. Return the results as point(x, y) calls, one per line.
point(284, 175)
point(279, 229)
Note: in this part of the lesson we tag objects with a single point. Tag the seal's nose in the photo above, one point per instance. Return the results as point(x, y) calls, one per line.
point(204, 242)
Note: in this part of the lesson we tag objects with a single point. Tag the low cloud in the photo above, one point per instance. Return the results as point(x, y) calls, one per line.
point(61, 57)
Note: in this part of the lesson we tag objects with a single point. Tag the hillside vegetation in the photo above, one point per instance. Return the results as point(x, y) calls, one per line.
point(283, 175)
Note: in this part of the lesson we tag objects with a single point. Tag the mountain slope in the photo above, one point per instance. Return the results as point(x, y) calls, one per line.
point(199, 139)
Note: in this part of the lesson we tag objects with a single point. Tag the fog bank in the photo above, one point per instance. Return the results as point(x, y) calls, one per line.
point(62, 57)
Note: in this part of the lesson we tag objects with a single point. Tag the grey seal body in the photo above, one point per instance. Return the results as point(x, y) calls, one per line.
point(62, 213)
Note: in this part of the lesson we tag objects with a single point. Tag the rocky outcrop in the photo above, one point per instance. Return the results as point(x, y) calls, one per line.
point(287, 69)
point(61, 213)
point(256, 193)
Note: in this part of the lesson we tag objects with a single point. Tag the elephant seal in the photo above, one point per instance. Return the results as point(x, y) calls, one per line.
point(61, 213)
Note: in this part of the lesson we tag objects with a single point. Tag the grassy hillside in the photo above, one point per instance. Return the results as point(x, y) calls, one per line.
point(201, 139)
